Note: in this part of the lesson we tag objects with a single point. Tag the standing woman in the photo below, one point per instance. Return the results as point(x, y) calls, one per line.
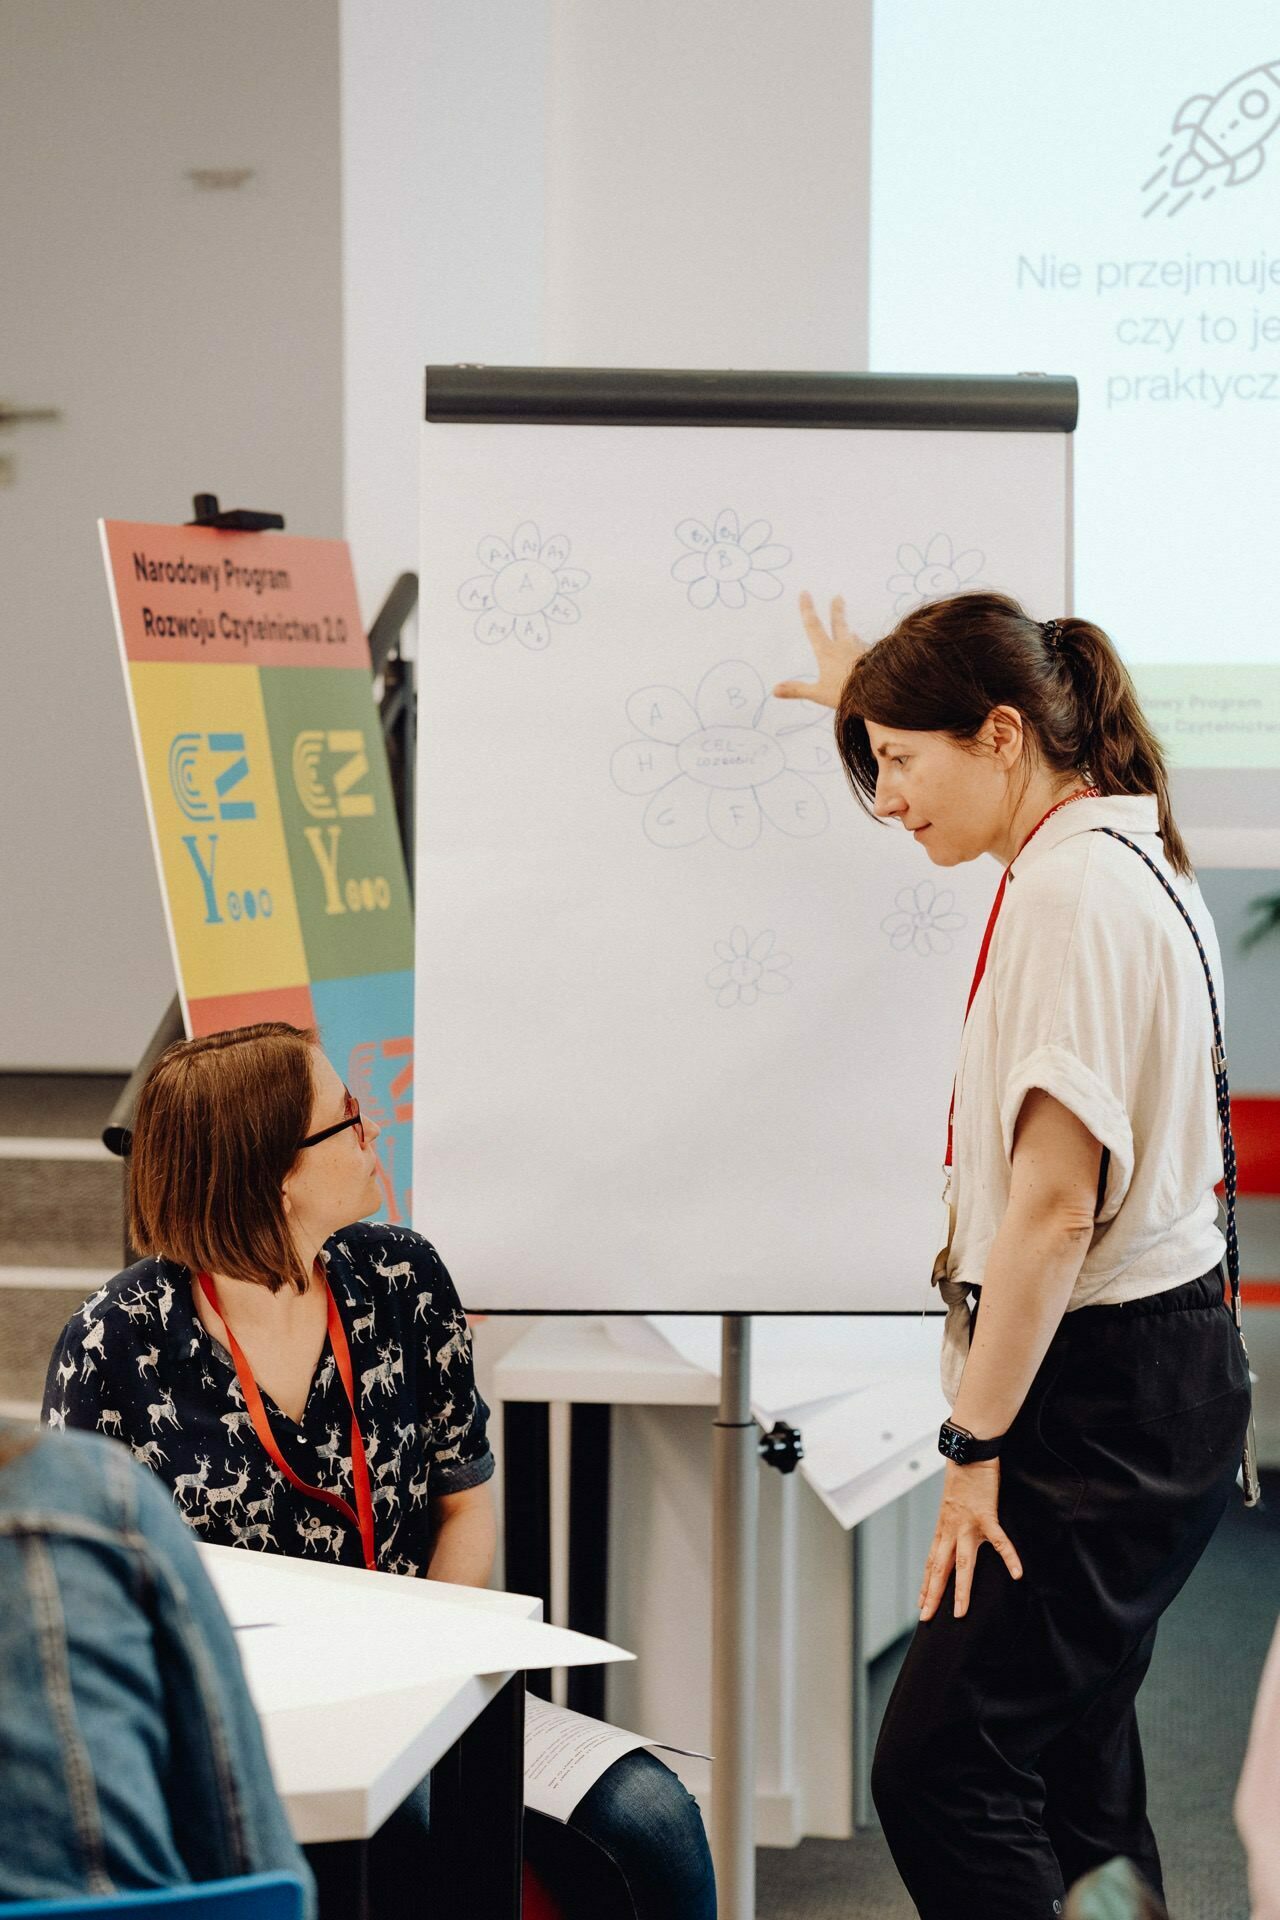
point(1099, 1389)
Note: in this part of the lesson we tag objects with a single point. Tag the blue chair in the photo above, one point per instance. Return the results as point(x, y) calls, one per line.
point(254, 1896)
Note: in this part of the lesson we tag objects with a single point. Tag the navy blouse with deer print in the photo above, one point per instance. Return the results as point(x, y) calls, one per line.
point(136, 1362)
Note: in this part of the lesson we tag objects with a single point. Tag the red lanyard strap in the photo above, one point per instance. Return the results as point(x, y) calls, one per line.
point(1089, 793)
point(361, 1516)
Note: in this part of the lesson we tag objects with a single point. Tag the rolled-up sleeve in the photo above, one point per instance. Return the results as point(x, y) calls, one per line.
point(452, 1410)
point(1074, 999)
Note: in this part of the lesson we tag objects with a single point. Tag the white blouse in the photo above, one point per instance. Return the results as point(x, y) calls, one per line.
point(1095, 992)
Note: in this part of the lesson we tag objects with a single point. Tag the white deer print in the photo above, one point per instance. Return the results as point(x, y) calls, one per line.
point(165, 1301)
point(234, 1422)
point(161, 1410)
point(454, 1348)
point(363, 1327)
point(147, 1359)
point(313, 1532)
point(137, 1305)
point(109, 1421)
point(66, 1371)
point(418, 1487)
point(192, 1482)
point(150, 1454)
point(231, 1494)
point(57, 1417)
point(257, 1510)
point(95, 1300)
point(379, 1376)
point(261, 1533)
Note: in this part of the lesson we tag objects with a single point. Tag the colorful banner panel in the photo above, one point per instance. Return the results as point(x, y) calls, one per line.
point(269, 799)
point(366, 1028)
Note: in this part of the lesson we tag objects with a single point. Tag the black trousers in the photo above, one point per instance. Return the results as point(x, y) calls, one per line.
point(1009, 1761)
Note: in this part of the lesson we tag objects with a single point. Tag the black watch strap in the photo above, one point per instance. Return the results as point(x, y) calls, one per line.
point(959, 1445)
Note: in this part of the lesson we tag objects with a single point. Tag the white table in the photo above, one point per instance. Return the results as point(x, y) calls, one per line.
point(341, 1770)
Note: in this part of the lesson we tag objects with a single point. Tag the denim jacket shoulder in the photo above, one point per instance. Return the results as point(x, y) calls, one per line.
point(130, 1752)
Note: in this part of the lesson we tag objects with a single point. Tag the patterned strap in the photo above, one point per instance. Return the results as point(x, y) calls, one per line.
point(1221, 1086)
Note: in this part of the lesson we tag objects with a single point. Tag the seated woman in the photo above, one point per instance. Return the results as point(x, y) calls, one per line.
point(305, 1385)
point(130, 1753)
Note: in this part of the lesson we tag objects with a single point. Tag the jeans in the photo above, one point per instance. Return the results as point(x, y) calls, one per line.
point(1009, 1762)
point(130, 1752)
point(634, 1849)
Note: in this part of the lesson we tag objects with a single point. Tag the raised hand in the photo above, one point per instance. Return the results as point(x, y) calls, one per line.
point(836, 652)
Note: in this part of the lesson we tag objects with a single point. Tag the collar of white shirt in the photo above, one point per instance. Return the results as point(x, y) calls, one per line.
point(1128, 813)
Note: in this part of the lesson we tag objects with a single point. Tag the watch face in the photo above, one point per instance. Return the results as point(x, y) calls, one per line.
point(953, 1442)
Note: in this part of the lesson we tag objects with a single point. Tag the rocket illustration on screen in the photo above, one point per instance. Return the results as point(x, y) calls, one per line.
point(1228, 134)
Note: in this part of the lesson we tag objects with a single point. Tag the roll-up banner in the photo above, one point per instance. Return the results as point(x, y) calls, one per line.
point(269, 800)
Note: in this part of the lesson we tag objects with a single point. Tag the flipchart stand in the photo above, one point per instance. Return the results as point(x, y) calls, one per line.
point(464, 407)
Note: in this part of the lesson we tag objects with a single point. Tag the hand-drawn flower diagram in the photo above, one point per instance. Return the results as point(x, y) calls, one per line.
point(725, 763)
point(924, 920)
point(748, 968)
point(1227, 129)
point(527, 585)
point(933, 574)
point(726, 565)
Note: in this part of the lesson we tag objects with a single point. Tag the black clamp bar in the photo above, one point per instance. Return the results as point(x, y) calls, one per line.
point(670, 397)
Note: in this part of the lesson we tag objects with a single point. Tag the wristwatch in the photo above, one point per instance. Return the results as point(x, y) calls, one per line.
point(959, 1445)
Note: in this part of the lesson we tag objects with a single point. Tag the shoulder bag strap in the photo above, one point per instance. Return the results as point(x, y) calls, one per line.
point(1223, 1091)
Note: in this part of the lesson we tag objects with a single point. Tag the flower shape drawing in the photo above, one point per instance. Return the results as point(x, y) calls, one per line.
point(527, 587)
point(933, 574)
point(924, 920)
point(723, 763)
point(725, 564)
point(747, 969)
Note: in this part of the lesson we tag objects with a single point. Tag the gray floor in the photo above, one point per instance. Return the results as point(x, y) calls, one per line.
point(1194, 1711)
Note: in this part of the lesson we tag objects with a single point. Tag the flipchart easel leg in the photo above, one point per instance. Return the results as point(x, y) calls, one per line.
point(735, 1464)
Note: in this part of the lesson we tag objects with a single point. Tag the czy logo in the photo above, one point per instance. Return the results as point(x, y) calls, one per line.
point(333, 800)
point(190, 774)
point(337, 798)
point(205, 769)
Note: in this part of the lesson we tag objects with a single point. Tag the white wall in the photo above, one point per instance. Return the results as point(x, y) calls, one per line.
point(442, 212)
point(588, 182)
point(192, 340)
point(707, 184)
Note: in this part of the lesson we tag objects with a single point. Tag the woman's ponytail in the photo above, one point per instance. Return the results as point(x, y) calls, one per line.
point(1116, 743)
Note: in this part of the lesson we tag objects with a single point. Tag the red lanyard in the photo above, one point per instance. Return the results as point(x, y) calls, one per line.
point(1089, 793)
point(361, 1517)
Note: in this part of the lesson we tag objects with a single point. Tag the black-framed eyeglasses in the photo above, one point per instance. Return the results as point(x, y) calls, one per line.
point(353, 1119)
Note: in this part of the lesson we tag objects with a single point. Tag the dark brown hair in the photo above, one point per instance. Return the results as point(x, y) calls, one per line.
point(946, 665)
point(215, 1132)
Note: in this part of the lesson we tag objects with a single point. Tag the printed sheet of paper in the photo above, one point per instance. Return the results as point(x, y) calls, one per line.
point(565, 1753)
point(288, 1627)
